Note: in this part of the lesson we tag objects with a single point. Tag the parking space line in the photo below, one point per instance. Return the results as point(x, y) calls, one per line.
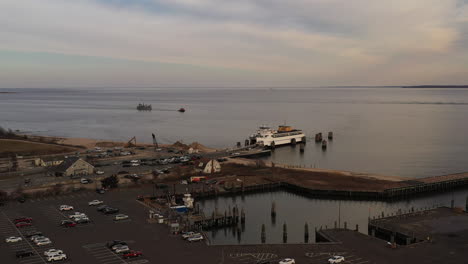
point(24, 238)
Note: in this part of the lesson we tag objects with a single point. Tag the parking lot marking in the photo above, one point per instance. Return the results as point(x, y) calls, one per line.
point(24, 238)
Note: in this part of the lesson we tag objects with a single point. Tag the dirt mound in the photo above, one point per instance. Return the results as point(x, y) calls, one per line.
point(180, 145)
point(196, 145)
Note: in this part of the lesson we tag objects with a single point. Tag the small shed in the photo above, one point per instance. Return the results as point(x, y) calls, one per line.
point(73, 167)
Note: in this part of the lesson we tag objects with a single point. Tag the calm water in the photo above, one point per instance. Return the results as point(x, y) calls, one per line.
point(295, 211)
point(407, 132)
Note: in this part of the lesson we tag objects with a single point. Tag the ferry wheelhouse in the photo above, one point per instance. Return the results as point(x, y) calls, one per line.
point(268, 137)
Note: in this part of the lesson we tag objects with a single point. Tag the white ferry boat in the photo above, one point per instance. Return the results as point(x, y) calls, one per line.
point(268, 137)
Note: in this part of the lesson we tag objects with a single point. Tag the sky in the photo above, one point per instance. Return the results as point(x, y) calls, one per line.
point(226, 43)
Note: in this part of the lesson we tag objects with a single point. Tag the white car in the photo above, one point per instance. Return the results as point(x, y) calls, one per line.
point(13, 239)
point(336, 259)
point(121, 249)
point(52, 252)
point(66, 207)
point(35, 237)
point(84, 181)
point(134, 161)
point(287, 261)
point(38, 238)
point(190, 234)
point(56, 257)
point(135, 164)
point(77, 215)
point(195, 238)
point(99, 172)
point(43, 242)
point(120, 217)
point(95, 202)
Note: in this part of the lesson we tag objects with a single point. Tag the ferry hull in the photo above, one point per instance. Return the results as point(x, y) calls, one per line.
point(288, 140)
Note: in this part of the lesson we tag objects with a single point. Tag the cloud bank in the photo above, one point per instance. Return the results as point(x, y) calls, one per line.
point(232, 43)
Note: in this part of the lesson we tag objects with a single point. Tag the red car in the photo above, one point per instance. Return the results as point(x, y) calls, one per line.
point(132, 254)
point(23, 219)
point(69, 224)
point(23, 224)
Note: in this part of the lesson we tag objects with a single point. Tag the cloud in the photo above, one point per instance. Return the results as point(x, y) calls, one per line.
point(297, 42)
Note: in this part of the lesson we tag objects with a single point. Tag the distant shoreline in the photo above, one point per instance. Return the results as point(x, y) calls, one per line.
point(436, 86)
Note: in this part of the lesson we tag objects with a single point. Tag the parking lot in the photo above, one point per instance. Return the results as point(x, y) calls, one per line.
point(86, 243)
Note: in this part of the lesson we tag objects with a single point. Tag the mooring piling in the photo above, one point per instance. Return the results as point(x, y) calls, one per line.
point(263, 234)
point(306, 233)
point(285, 233)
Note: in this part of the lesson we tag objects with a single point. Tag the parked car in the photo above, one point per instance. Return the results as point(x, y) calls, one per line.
point(66, 208)
point(52, 251)
point(68, 223)
point(77, 215)
point(22, 219)
point(287, 261)
point(132, 254)
point(13, 239)
point(135, 164)
point(23, 224)
point(120, 217)
point(43, 242)
point(110, 210)
point(99, 172)
point(186, 235)
point(101, 207)
point(35, 237)
point(100, 190)
point(82, 220)
point(121, 249)
point(95, 202)
point(115, 242)
point(195, 238)
point(86, 181)
point(336, 259)
point(56, 257)
point(24, 253)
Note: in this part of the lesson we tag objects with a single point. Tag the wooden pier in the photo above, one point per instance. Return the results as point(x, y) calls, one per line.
point(409, 189)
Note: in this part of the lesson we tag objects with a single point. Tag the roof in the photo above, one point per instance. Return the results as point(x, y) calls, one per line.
point(52, 158)
point(67, 163)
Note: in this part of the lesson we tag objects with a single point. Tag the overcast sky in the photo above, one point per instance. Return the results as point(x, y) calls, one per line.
point(121, 43)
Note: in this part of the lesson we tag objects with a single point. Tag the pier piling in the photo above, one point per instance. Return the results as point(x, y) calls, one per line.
point(306, 233)
point(466, 206)
point(263, 234)
point(285, 233)
point(273, 210)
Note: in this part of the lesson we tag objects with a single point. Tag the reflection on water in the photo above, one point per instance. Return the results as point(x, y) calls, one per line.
point(295, 211)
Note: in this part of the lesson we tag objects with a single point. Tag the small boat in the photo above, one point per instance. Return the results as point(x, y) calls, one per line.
point(324, 144)
point(181, 110)
point(330, 135)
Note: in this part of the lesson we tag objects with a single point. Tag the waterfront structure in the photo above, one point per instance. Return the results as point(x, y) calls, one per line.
point(268, 137)
point(72, 167)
